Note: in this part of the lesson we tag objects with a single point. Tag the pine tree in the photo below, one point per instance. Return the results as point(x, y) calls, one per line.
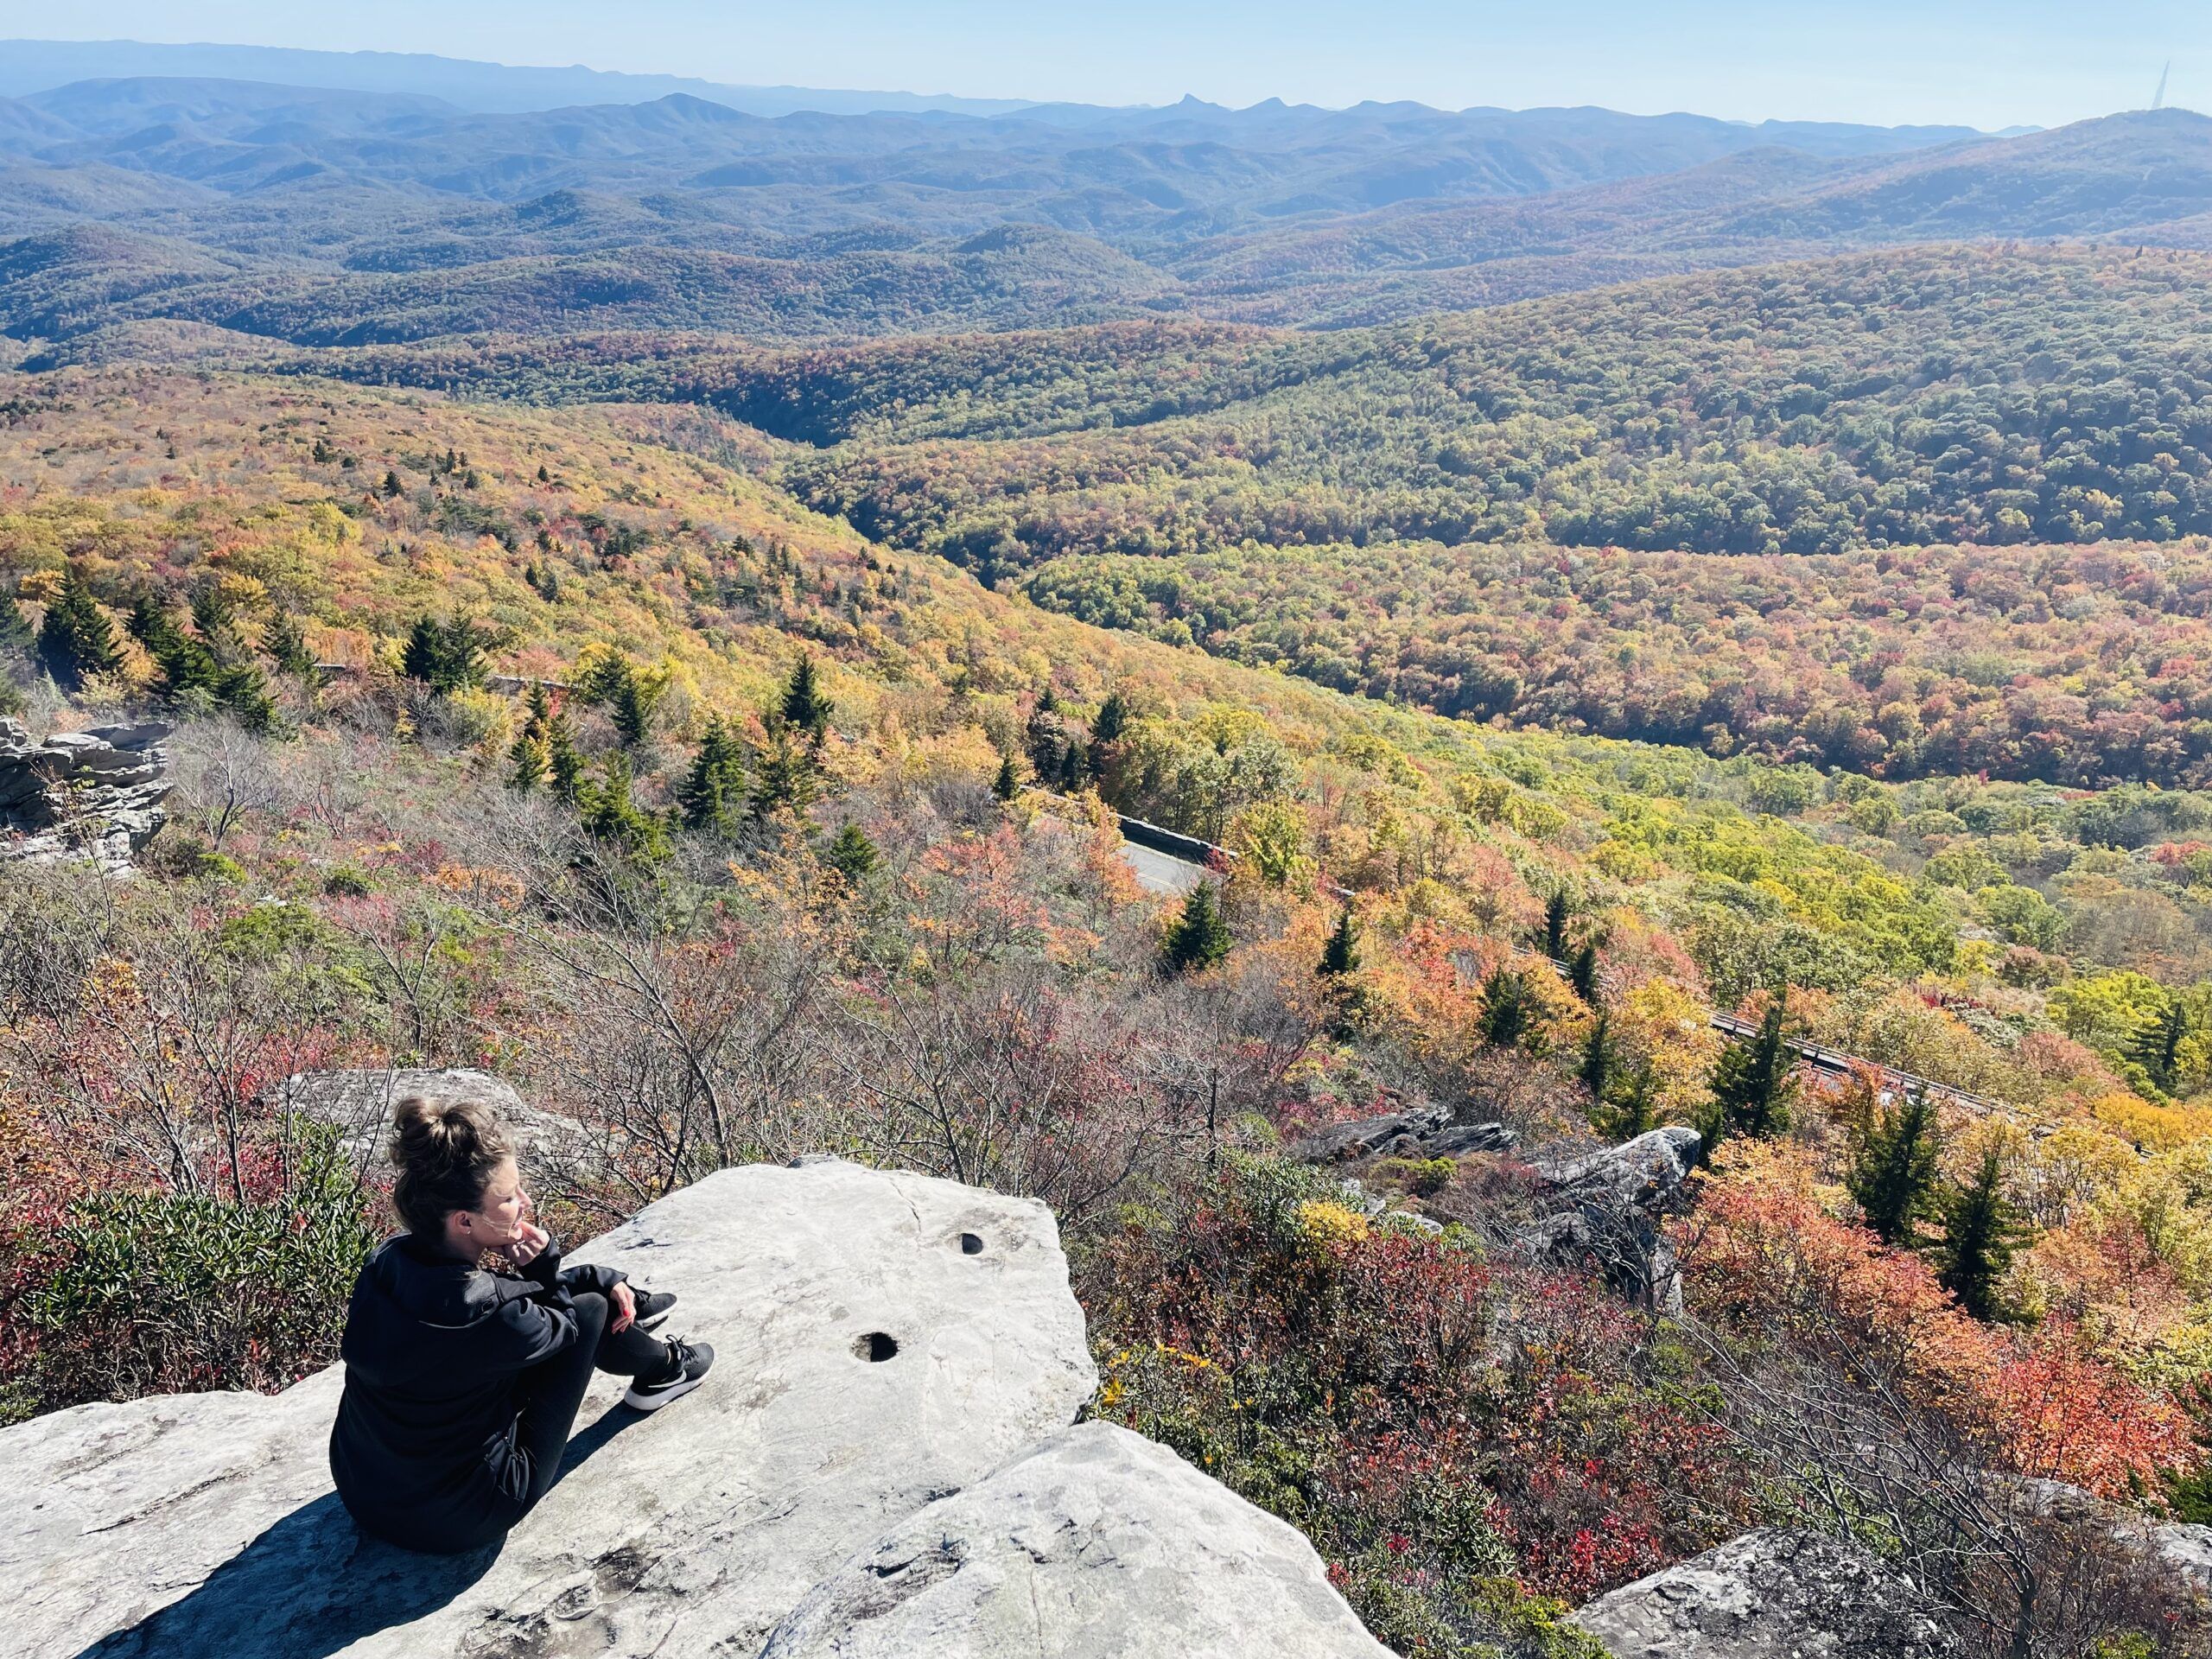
point(1074, 771)
point(712, 794)
point(631, 705)
point(1598, 1058)
point(1630, 1107)
point(2155, 1045)
point(1892, 1170)
point(1198, 937)
point(1582, 974)
point(1755, 1082)
point(14, 628)
point(1008, 783)
point(804, 705)
point(243, 689)
point(1113, 720)
point(611, 813)
point(1509, 1009)
point(1340, 955)
point(391, 484)
point(564, 763)
point(187, 666)
point(76, 641)
point(1981, 1229)
point(544, 477)
point(529, 761)
point(1556, 914)
point(852, 855)
point(783, 777)
point(444, 656)
point(286, 642)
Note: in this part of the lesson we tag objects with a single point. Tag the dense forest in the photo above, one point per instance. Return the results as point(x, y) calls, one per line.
point(2082, 666)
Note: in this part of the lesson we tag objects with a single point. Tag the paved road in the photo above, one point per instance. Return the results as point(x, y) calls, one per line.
point(1161, 873)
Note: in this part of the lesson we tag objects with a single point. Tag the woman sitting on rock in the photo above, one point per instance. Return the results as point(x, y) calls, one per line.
point(461, 1383)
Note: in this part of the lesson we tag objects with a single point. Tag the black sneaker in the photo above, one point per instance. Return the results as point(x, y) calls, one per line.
point(688, 1362)
point(652, 1307)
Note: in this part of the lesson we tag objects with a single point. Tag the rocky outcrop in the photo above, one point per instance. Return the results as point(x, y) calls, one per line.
point(94, 795)
point(357, 1104)
point(1097, 1544)
point(1610, 1207)
point(1424, 1132)
point(1770, 1594)
point(885, 1342)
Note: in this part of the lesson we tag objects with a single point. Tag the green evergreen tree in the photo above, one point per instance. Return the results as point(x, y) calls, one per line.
point(529, 761)
point(611, 812)
point(2155, 1045)
point(712, 794)
point(1631, 1106)
point(1074, 771)
point(1008, 783)
point(444, 656)
point(1755, 1083)
point(1340, 955)
point(391, 484)
point(286, 642)
point(1597, 1067)
point(564, 763)
point(186, 665)
point(1508, 1010)
point(1582, 974)
point(852, 855)
point(631, 706)
point(782, 776)
point(1981, 1231)
point(804, 706)
point(15, 633)
point(243, 689)
point(1112, 721)
point(1892, 1173)
point(1556, 914)
point(1198, 937)
point(76, 641)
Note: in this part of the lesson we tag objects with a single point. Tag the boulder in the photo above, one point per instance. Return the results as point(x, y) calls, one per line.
point(1424, 1132)
point(358, 1103)
point(1608, 1206)
point(883, 1340)
point(1770, 1594)
point(94, 795)
point(2183, 1549)
point(1095, 1544)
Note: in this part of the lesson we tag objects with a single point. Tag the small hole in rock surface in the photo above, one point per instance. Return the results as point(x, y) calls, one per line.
point(971, 1244)
point(876, 1345)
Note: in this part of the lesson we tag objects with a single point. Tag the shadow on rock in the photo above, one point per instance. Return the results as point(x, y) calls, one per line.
point(314, 1584)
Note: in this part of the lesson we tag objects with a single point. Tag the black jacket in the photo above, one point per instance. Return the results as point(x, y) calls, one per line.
point(434, 1352)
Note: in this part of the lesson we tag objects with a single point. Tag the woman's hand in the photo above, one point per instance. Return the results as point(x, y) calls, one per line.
point(528, 1244)
point(626, 1306)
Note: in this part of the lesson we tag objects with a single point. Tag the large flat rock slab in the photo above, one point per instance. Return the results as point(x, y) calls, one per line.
point(882, 1340)
point(1098, 1544)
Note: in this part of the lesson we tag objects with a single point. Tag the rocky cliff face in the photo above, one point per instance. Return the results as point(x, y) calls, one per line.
point(882, 1462)
point(1770, 1594)
point(95, 794)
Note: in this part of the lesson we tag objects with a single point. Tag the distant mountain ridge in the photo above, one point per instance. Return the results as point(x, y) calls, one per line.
point(370, 215)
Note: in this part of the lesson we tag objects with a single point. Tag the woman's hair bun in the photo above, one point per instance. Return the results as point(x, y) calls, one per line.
point(445, 1151)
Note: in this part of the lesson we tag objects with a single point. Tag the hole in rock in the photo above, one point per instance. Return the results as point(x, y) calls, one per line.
point(876, 1345)
point(971, 1244)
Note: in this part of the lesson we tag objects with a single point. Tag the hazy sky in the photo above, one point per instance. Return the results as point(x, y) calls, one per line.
point(1991, 63)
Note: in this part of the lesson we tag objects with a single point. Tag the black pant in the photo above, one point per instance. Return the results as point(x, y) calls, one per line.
point(550, 1394)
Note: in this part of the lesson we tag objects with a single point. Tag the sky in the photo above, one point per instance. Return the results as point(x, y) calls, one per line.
point(1985, 63)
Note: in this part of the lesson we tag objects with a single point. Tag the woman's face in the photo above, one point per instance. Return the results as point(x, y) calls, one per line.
point(497, 1221)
